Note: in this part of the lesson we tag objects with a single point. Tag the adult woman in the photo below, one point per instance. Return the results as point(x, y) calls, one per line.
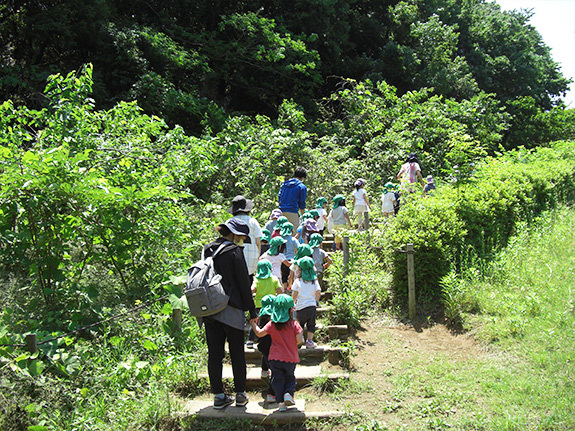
point(408, 174)
point(229, 323)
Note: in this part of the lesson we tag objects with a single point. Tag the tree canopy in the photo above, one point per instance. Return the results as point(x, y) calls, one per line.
point(195, 62)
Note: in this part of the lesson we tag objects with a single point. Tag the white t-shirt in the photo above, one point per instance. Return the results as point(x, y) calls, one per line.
point(276, 262)
point(387, 202)
point(306, 293)
point(338, 215)
point(360, 197)
point(321, 220)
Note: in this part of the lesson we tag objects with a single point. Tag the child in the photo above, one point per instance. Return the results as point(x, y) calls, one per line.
point(265, 241)
point(274, 216)
point(429, 187)
point(320, 258)
point(397, 194)
point(360, 202)
point(338, 216)
point(275, 255)
point(286, 335)
point(264, 284)
point(278, 227)
point(300, 230)
point(309, 228)
point(291, 248)
point(265, 343)
point(322, 214)
point(303, 250)
point(306, 294)
point(388, 200)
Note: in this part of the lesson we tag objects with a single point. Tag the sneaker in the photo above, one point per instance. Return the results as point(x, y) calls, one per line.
point(265, 374)
point(282, 407)
point(220, 403)
point(241, 399)
point(250, 344)
point(270, 399)
point(288, 400)
point(309, 344)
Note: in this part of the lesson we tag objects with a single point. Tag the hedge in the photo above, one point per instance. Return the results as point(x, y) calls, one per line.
point(473, 219)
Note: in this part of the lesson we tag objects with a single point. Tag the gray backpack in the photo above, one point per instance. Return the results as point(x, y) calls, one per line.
point(204, 290)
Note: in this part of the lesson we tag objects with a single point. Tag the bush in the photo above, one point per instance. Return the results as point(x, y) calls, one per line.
point(472, 219)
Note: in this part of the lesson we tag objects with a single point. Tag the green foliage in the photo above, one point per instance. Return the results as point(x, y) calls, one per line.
point(471, 220)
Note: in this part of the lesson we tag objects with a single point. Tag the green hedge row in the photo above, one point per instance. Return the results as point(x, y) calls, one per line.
point(472, 219)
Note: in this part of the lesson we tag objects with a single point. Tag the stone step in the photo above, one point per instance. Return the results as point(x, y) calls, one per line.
point(304, 375)
point(334, 354)
point(334, 332)
point(323, 310)
point(257, 412)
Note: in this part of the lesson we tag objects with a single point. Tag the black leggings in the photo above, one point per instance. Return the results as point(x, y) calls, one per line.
point(216, 335)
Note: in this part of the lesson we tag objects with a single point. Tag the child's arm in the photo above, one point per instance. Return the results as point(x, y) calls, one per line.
point(348, 220)
point(258, 331)
point(294, 295)
point(328, 261)
point(298, 338)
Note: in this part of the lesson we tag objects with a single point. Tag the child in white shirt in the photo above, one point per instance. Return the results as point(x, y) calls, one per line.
point(306, 293)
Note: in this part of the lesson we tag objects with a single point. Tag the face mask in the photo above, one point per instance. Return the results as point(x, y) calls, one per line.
point(239, 240)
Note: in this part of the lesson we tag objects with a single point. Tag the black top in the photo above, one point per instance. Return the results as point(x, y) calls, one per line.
point(231, 265)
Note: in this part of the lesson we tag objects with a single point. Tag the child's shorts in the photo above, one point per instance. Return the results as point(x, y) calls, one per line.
point(306, 318)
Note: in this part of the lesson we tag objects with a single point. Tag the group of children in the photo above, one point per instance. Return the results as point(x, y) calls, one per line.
point(287, 289)
point(280, 333)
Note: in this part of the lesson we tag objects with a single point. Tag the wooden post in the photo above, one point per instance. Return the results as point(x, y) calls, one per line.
point(366, 220)
point(411, 281)
point(177, 318)
point(31, 343)
point(345, 254)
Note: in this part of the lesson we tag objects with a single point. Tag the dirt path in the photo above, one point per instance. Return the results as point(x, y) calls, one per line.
point(383, 349)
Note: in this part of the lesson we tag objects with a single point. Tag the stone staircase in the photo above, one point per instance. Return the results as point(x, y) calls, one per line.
point(313, 365)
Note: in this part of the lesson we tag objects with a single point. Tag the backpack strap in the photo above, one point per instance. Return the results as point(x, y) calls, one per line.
point(220, 248)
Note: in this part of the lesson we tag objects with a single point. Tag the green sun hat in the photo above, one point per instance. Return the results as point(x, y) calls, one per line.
point(307, 268)
point(337, 199)
point(388, 187)
point(303, 250)
point(314, 213)
point(315, 240)
point(264, 269)
point(287, 229)
point(281, 221)
point(266, 235)
point(320, 202)
point(267, 305)
point(282, 305)
point(275, 244)
point(306, 216)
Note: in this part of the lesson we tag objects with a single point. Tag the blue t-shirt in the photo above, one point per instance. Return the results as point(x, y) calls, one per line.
point(291, 247)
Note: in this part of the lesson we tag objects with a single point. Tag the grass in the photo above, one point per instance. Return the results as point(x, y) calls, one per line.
point(522, 310)
point(520, 307)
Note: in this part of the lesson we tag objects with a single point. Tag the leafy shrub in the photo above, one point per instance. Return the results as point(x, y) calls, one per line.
point(472, 219)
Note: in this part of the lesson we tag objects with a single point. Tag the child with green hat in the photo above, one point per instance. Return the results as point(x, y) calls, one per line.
point(306, 294)
point(338, 217)
point(320, 257)
point(278, 227)
point(265, 241)
point(286, 335)
point(388, 201)
point(276, 256)
point(291, 248)
point(264, 284)
point(265, 343)
point(320, 208)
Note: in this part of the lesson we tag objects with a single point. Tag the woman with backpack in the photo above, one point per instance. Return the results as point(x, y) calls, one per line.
point(229, 323)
